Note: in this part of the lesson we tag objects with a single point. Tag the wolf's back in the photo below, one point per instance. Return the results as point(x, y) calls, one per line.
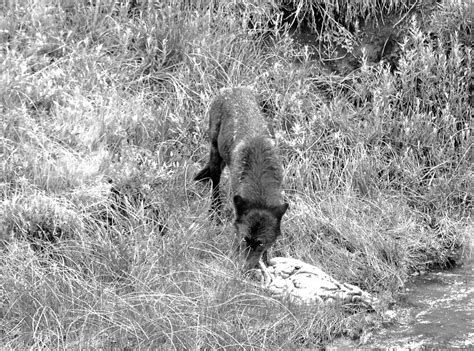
point(234, 116)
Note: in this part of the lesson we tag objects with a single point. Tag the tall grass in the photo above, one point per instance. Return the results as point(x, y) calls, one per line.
point(105, 240)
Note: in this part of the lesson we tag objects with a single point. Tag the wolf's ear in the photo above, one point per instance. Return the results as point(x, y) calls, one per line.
point(280, 210)
point(240, 204)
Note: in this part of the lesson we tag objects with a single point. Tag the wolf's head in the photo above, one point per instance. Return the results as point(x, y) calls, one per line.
point(257, 227)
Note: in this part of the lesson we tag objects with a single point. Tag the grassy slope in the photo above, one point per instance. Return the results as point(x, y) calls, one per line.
point(376, 165)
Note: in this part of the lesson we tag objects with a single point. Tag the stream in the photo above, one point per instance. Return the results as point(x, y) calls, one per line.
point(436, 311)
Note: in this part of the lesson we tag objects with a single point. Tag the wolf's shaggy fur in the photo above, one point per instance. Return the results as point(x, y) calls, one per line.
point(240, 139)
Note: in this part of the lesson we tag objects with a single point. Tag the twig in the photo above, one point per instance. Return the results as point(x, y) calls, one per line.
point(266, 277)
point(406, 14)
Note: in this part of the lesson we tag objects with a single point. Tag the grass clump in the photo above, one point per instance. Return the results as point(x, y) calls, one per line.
point(105, 239)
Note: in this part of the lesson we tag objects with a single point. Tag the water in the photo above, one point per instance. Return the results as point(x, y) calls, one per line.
point(437, 311)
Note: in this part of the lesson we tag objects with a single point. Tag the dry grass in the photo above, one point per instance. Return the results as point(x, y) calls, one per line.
point(105, 240)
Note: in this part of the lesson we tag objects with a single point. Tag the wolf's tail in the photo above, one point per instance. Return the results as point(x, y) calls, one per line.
point(204, 174)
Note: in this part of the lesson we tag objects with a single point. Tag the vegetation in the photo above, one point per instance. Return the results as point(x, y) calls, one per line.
point(105, 240)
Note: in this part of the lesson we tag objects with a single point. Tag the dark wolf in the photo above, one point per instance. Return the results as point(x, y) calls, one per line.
point(241, 140)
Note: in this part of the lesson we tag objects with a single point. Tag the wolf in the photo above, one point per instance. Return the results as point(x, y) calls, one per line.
point(240, 139)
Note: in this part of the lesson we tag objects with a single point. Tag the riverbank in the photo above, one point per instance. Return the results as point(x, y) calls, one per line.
point(435, 311)
point(105, 238)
